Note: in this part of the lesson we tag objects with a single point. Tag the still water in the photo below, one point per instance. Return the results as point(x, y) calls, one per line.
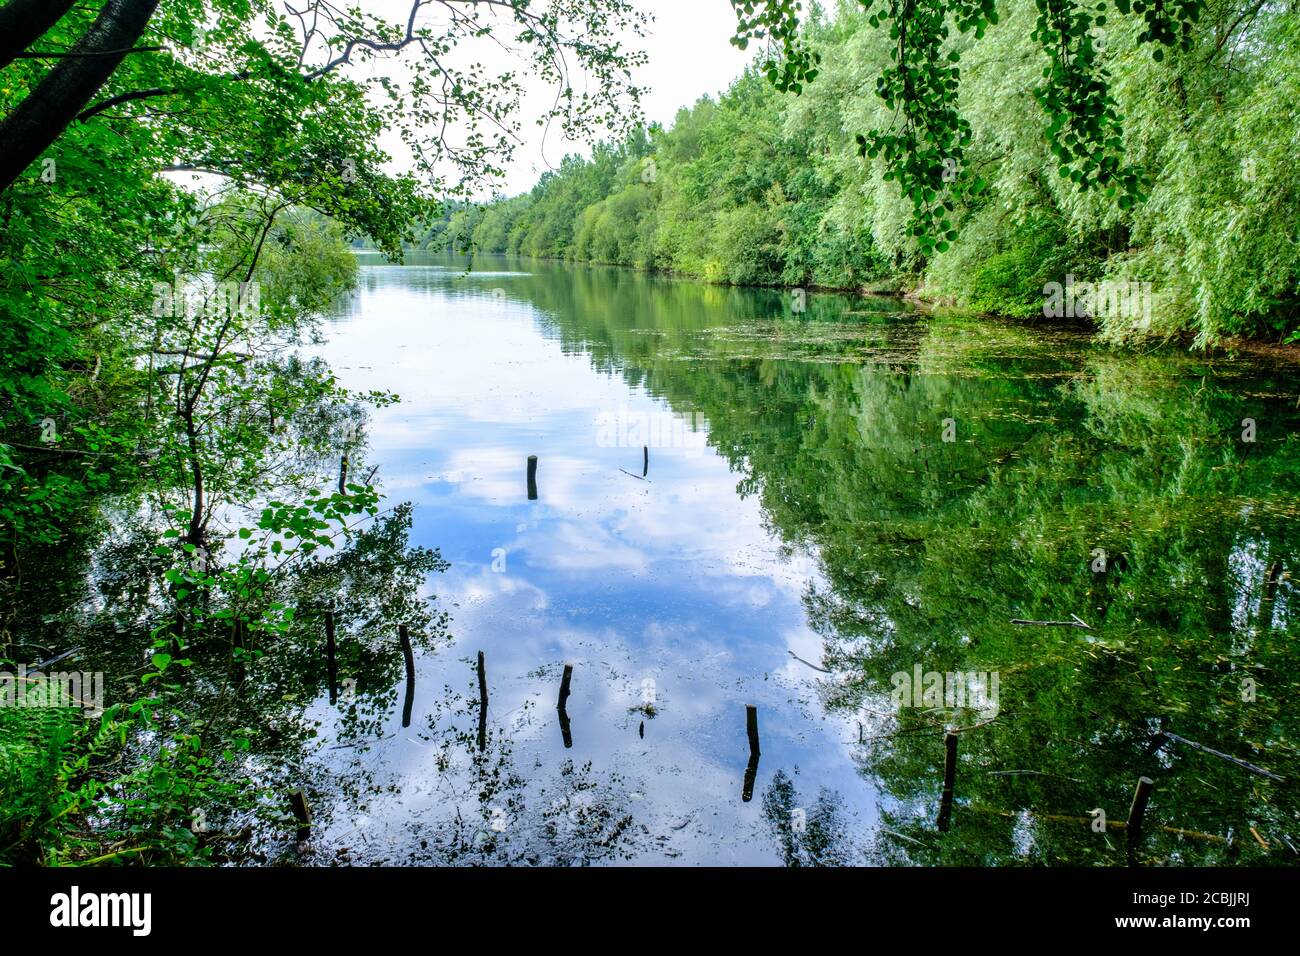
point(742, 502)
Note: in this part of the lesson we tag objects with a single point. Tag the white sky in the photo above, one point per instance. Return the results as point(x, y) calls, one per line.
point(688, 56)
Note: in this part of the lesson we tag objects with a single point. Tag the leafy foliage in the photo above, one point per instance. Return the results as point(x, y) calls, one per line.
point(164, 262)
point(1046, 142)
point(924, 147)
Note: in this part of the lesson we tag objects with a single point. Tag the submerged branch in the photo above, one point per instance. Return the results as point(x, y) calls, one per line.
point(1244, 765)
point(1077, 622)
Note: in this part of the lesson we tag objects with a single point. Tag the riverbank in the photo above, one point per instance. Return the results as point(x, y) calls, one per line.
point(759, 187)
point(910, 290)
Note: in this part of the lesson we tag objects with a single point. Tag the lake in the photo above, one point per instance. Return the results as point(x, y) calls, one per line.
point(748, 499)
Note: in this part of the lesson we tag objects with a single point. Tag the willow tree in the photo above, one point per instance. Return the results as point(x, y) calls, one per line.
point(924, 147)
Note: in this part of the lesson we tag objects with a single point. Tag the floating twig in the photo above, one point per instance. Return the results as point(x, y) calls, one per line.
point(809, 663)
point(361, 743)
point(1110, 824)
point(1244, 765)
point(53, 660)
point(1033, 773)
point(901, 836)
point(1076, 622)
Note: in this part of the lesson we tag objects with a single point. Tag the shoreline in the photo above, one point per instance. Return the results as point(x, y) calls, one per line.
point(1226, 348)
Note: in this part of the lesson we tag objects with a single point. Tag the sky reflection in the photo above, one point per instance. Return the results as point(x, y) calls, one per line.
point(666, 586)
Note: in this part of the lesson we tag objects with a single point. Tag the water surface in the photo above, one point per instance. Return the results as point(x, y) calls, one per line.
point(833, 496)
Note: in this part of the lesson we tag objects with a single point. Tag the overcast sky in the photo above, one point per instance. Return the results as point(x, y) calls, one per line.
point(688, 56)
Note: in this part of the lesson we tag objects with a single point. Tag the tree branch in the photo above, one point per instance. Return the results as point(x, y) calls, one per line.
point(64, 92)
point(23, 22)
point(395, 46)
point(123, 98)
point(71, 54)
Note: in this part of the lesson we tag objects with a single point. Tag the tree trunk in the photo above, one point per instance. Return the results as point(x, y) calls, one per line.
point(22, 22)
point(38, 120)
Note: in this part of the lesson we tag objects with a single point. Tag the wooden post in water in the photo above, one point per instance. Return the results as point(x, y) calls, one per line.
point(564, 686)
point(343, 475)
point(949, 780)
point(566, 729)
point(409, 701)
point(404, 636)
point(331, 661)
point(301, 812)
point(751, 770)
point(482, 703)
point(532, 477)
point(1137, 810)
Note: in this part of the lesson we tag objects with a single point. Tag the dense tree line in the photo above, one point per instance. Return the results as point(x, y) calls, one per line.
point(765, 187)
